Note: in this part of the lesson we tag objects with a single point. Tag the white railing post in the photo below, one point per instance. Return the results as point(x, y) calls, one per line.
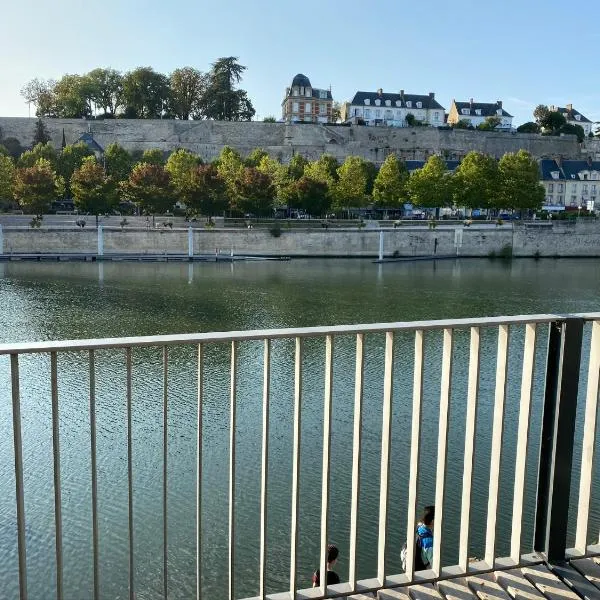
point(165, 476)
point(199, 474)
point(130, 474)
point(95, 550)
point(296, 465)
point(264, 470)
point(1, 239)
point(380, 245)
point(100, 240)
point(190, 243)
point(232, 427)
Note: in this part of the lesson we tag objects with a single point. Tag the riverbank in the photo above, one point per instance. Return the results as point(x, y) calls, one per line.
point(541, 239)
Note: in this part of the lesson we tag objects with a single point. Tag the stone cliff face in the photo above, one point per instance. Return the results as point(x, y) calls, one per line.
point(282, 141)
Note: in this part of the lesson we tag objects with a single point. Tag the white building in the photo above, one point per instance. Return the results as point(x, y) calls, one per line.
point(384, 109)
point(573, 117)
point(571, 183)
point(477, 112)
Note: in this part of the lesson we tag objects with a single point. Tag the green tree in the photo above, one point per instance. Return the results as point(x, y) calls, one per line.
point(153, 156)
point(117, 161)
point(520, 186)
point(36, 187)
point(73, 97)
point(296, 166)
point(229, 166)
point(324, 170)
point(477, 181)
point(40, 133)
point(411, 120)
point(540, 114)
point(149, 186)
point(549, 120)
point(7, 177)
point(255, 192)
point(70, 159)
point(180, 166)
point(187, 87)
point(40, 93)
point(93, 191)
point(221, 100)
point(462, 124)
point(371, 175)
point(312, 196)
point(253, 159)
point(489, 124)
point(570, 129)
point(270, 119)
point(336, 112)
point(350, 190)
point(430, 186)
point(145, 92)
point(529, 127)
point(106, 90)
point(208, 191)
point(13, 146)
point(284, 184)
point(45, 151)
point(390, 183)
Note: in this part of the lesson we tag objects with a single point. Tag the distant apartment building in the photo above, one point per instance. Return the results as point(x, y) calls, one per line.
point(393, 110)
point(477, 112)
point(573, 117)
point(304, 103)
point(571, 183)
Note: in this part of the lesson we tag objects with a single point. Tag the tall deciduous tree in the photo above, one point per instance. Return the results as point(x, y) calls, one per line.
point(145, 92)
point(430, 186)
point(520, 187)
point(253, 159)
point(255, 192)
point(106, 90)
point(153, 156)
point(529, 127)
point(390, 183)
point(187, 86)
point(208, 191)
point(221, 100)
point(7, 177)
point(489, 124)
point(477, 181)
point(118, 162)
point(149, 186)
point(70, 159)
point(36, 187)
point(229, 165)
point(180, 166)
point(350, 190)
point(324, 169)
point(284, 184)
point(93, 191)
point(45, 151)
point(40, 93)
point(296, 166)
point(312, 196)
point(73, 97)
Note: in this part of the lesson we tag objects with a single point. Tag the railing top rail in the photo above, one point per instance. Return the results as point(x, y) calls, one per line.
point(261, 334)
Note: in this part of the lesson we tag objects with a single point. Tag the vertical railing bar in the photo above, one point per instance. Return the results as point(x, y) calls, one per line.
point(264, 466)
point(326, 452)
point(470, 432)
point(356, 457)
point(232, 426)
point(57, 488)
point(415, 438)
point(165, 475)
point(440, 486)
point(296, 466)
point(130, 474)
point(522, 438)
point(18, 445)
point(94, 469)
point(589, 439)
point(386, 428)
point(199, 478)
point(496, 446)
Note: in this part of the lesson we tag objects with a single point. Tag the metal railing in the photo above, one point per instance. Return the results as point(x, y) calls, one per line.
point(567, 343)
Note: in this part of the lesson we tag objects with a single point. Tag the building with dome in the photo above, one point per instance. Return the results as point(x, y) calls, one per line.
point(304, 103)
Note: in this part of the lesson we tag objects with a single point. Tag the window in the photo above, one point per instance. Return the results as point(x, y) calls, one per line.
point(549, 199)
point(408, 104)
point(585, 189)
point(554, 174)
point(323, 94)
point(578, 117)
point(593, 188)
point(436, 116)
point(559, 187)
point(378, 114)
point(585, 176)
point(478, 112)
point(377, 102)
point(356, 112)
point(550, 188)
point(559, 199)
point(308, 92)
point(573, 200)
point(367, 113)
point(307, 107)
point(398, 103)
point(323, 108)
point(465, 111)
point(388, 102)
point(295, 91)
point(301, 90)
point(419, 105)
point(499, 112)
point(367, 101)
point(295, 107)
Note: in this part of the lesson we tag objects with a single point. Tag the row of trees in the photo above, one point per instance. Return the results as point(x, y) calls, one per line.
point(259, 183)
point(552, 122)
point(143, 93)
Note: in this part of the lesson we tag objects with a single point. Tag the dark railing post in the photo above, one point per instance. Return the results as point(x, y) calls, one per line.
point(558, 432)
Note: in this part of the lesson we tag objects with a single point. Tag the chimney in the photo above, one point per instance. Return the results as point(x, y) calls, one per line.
point(432, 95)
point(569, 107)
point(499, 103)
point(380, 91)
point(402, 94)
point(471, 102)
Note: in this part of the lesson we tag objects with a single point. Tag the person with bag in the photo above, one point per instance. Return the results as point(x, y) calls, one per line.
point(423, 542)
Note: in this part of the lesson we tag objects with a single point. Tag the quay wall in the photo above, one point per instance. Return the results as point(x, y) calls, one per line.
point(556, 240)
point(282, 141)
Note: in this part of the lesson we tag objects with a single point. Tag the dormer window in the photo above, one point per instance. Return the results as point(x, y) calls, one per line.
point(323, 94)
point(367, 101)
point(465, 111)
point(419, 105)
point(554, 174)
point(296, 91)
point(578, 117)
point(478, 112)
point(398, 103)
point(388, 102)
point(377, 102)
point(308, 92)
point(499, 112)
point(408, 104)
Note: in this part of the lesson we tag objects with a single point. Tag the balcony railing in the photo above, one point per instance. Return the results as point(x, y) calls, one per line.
point(467, 359)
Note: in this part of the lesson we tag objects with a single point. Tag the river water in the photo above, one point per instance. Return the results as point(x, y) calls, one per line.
point(43, 301)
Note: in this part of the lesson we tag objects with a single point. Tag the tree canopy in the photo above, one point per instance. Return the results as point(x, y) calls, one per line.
point(430, 186)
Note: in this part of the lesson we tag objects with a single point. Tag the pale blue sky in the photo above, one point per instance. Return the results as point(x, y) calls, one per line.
point(524, 52)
